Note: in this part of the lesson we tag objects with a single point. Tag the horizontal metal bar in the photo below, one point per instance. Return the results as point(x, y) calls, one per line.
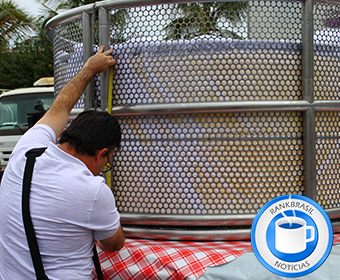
point(119, 4)
point(200, 220)
point(187, 220)
point(334, 2)
point(327, 105)
point(336, 227)
point(66, 16)
point(232, 106)
point(195, 234)
point(132, 226)
point(186, 235)
point(333, 213)
point(210, 107)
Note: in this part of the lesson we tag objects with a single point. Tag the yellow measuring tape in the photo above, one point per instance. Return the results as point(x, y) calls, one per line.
point(109, 95)
point(109, 110)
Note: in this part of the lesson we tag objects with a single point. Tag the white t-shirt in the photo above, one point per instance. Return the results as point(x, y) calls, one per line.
point(70, 207)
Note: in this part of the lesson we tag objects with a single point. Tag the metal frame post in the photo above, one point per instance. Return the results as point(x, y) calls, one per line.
point(104, 35)
point(308, 95)
point(309, 154)
point(88, 51)
point(307, 51)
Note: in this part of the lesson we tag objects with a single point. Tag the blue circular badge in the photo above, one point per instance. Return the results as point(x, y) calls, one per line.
point(291, 235)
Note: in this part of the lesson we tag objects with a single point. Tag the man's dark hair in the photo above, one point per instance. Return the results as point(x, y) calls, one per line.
point(91, 131)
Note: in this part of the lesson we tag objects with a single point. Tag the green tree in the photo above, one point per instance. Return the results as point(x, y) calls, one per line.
point(22, 68)
point(14, 23)
point(27, 61)
point(196, 19)
point(118, 24)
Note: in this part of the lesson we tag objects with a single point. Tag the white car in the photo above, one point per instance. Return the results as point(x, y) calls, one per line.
point(20, 109)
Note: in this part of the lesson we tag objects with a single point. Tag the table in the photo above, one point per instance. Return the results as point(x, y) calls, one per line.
point(141, 259)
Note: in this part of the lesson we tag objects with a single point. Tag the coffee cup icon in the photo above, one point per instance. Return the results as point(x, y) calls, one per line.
point(291, 235)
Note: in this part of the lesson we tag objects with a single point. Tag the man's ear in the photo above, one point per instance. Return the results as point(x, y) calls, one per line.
point(101, 153)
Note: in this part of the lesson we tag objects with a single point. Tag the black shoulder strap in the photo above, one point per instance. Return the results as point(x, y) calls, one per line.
point(97, 264)
point(29, 229)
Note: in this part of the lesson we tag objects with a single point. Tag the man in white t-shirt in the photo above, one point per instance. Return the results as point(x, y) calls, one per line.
point(70, 205)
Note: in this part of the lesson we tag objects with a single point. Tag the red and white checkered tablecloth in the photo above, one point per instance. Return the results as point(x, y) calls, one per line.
point(153, 259)
point(141, 259)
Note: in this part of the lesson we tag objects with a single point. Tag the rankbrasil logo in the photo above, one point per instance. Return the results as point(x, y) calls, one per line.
point(291, 235)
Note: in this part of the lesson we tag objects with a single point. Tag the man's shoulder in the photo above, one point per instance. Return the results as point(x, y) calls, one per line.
point(36, 137)
point(41, 130)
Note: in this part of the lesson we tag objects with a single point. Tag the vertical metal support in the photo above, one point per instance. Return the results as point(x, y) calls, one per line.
point(310, 154)
point(88, 51)
point(307, 51)
point(104, 39)
point(308, 95)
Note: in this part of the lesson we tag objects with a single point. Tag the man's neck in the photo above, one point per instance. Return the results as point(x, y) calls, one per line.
point(86, 159)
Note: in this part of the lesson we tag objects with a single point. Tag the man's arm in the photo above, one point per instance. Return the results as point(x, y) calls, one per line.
point(113, 243)
point(56, 117)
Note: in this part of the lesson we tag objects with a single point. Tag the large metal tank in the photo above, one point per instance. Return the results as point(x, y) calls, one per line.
point(223, 105)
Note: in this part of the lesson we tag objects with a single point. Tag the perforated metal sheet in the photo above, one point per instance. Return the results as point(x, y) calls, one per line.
point(326, 87)
point(276, 27)
point(327, 52)
point(328, 161)
point(275, 20)
point(68, 54)
point(208, 163)
point(157, 66)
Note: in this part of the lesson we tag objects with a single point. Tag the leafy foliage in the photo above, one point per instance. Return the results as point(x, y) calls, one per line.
point(198, 19)
point(26, 58)
point(25, 53)
point(25, 63)
point(118, 23)
point(14, 23)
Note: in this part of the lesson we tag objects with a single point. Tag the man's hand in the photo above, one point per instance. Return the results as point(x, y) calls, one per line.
point(56, 117)
point(99, 62)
